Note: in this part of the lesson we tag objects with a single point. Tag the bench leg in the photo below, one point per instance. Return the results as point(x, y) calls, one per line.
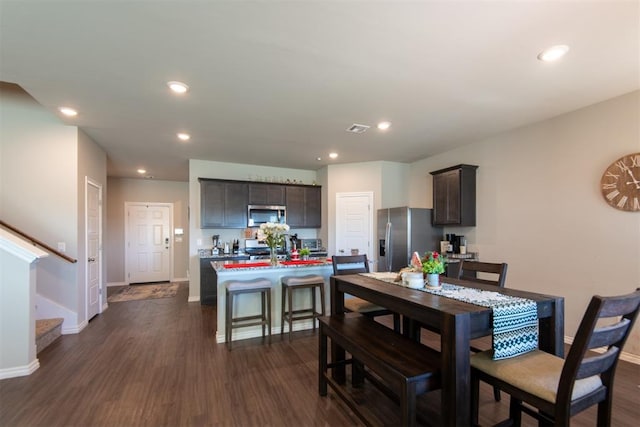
point(322, 362)
point(357, 373)
point(408, 404)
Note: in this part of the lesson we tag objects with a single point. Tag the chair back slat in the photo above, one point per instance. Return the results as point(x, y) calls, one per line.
point(596, 365)
point(350, 264)
point(610, 334)
point(469, 269)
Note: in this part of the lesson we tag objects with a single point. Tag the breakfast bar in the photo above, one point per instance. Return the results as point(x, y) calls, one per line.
point(248, 304)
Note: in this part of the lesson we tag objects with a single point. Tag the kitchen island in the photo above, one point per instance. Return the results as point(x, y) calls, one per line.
point(248, 304)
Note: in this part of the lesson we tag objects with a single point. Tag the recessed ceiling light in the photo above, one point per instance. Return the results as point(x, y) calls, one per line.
point(142, 171)
point(178, 87)
point(319, 158)
point(333, 155)
point(67, 111)
point(184, 136)
point(384, 125)
point(553, 53)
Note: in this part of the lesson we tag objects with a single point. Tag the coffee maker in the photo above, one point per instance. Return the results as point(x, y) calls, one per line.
point(456, 242)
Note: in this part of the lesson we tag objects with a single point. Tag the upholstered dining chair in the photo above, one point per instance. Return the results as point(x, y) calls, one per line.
point(552, 389)
point(494, 274)
point(352, 264)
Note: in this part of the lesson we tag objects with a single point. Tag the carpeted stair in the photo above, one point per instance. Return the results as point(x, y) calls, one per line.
point(47, 331)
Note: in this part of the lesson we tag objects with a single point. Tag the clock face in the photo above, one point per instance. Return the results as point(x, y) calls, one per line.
point(620, 183)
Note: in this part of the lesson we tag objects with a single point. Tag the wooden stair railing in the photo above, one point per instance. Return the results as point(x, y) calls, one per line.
point(37, 242)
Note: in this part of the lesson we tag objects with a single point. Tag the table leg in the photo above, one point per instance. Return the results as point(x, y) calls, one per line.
point(551, 330)
point(456, 370)
point(337, 353)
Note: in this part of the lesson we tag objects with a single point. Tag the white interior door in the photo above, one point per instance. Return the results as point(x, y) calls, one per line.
point(354, 223)
point(148, 253)
point(93, 230)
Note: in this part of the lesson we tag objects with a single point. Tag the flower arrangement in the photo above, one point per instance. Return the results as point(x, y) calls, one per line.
point(273, 234)
point(433, 263)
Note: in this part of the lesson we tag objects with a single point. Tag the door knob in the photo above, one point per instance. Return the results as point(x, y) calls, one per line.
point(91, 259)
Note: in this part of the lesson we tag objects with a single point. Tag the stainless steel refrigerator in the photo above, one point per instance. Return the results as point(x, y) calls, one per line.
point(403, 231)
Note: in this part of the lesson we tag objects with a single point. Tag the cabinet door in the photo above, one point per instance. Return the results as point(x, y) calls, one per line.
point(266, 194)
point(454, 196)
point(446, 198)
point(212, 209)
point(235, 211)
point(313, 207)
point(295, 207)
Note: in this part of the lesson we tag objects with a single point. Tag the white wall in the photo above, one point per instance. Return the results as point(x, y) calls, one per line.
point(44, 164)
point(123, 190)
point(386, 180)
point(39, 186)
point(201, 238)
point(539, 206)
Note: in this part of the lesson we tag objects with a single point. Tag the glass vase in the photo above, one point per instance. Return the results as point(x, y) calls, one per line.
point(273, 256)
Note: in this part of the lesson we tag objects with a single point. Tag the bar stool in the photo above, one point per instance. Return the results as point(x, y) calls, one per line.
point(237, 287)
point(291, 283)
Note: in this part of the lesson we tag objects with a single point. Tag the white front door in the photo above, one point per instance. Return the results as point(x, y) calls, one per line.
point(148, 244)
point(93, 226)
point(353, 223)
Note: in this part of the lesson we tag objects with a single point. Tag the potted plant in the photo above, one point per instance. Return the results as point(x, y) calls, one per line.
point(304, 253)
point(433, 266)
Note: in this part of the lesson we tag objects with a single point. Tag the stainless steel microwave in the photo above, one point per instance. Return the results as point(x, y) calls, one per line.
point(260, 214)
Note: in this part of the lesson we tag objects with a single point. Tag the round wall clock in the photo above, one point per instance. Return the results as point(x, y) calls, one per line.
point(620, 183)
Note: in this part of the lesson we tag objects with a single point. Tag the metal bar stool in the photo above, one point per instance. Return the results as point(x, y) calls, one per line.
point(289, 283)
point(237, 287)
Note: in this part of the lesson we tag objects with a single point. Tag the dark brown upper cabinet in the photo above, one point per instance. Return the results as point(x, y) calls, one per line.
point(454, 196)
point(266, 194)
point(303, 206)
point(223, 204)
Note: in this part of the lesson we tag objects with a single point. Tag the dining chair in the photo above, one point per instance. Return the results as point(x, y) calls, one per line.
point(469, 271)
point(493, 274)
point(552, 389)
point(353, 264)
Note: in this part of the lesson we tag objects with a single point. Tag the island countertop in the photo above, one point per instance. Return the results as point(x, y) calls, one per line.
point(224, 266)
point(248, 304)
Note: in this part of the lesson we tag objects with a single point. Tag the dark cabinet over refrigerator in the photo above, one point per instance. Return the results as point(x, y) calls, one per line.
point(403, 231)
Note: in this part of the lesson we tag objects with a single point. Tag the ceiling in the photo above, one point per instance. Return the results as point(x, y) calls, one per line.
point(277, 83)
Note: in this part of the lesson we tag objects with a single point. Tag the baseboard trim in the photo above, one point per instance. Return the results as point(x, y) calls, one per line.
point(256, 332)
point(179, 279)
point(193, 299)
point(627, 357)
point(75, 329)
point(109, 284)
point(19, 371)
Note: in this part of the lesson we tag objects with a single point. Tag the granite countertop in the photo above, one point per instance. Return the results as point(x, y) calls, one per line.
point(230, 266)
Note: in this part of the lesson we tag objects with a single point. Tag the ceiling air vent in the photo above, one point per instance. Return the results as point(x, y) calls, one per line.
point(356, 128)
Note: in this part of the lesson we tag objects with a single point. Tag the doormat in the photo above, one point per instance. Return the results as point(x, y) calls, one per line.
point(140, 292)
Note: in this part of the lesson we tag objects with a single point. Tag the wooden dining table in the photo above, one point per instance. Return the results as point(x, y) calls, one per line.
point(457, 322)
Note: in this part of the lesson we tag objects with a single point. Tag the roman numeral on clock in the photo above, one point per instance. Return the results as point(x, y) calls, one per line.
point(608, 186)
point(622, 202)
point(613, 194)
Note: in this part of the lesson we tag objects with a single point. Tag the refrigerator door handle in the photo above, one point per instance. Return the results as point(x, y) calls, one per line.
point(388, 246)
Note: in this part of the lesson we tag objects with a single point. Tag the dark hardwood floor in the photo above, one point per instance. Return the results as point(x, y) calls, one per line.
point(156, 363)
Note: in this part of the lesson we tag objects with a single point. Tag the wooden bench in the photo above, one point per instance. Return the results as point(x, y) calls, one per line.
point(406, 367)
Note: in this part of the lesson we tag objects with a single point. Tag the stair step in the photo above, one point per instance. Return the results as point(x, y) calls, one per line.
point(47, 331)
